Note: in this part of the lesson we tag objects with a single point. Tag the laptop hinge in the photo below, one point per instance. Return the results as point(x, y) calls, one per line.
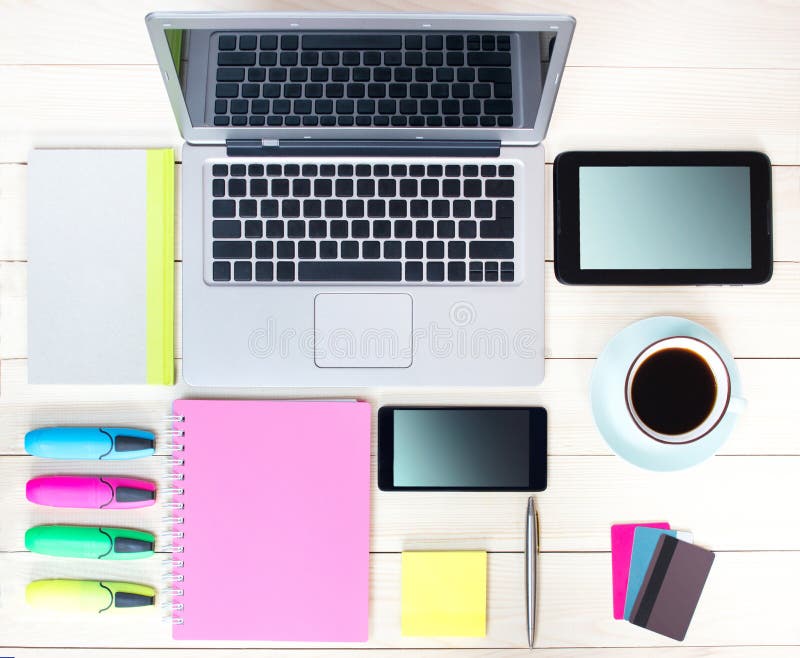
point(369, 148)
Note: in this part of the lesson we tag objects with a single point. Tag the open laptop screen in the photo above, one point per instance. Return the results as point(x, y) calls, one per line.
point(247, 77)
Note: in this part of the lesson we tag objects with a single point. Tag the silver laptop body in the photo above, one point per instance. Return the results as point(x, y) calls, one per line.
point(362, 195)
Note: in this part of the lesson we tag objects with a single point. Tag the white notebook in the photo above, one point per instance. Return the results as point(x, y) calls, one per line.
point(100, 266)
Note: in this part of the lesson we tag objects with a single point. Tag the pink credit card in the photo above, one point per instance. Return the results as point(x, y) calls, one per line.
point(621, 549)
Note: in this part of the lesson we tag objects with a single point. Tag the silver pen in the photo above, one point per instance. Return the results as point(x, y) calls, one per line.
point(531, 549)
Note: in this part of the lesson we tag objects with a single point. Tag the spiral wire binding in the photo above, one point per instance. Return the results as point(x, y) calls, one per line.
point(173, 536)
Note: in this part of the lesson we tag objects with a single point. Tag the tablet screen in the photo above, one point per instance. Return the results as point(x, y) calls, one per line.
point(664, 217)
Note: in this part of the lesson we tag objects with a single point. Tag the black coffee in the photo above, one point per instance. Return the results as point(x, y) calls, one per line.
point(673, 391)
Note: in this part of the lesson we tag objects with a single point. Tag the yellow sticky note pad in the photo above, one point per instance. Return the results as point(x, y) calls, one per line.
point(444, 593)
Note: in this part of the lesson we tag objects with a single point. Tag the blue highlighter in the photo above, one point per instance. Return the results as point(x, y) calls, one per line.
point(108, 443)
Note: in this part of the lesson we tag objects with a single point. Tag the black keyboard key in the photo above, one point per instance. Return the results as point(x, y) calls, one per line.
point(393, 249)
point(489, 59)
point(456, 271)
point(365, 187)
point(424, 74)
point(372, 58)
point(408, 187)
point(352, 41)
point(483, 209)
point(317, 228)
point(476, 271)
point(504, 209)
point(505, 171)
point(219, 170)
point(414, 271)
point(328, 249)
point(270, 91)
point(462, 208)
point(419, 208)
point(225, 208)
point(397, 208)
point(309, 58)
point(487, 42)
point(434, 42)
point(500, 228)
point(381, 170)
point(360, 228)
point(434, 249)
point(382, 74)
point(239, 121)
point(280, 187)
point(269, 208)
point(499, 188)
point(248, 208)
point(285, 271)
point(440, 208)
point(339, 228)
point(387, 187)
point(446, 229)
point(403, 228)
point(227, 90)
point(456, 249)
point(236, 59)
point(483, 249)
point(334, 208)
point(248, 42)
point(230, 75)
point(444, 75)
point(264, 271)
point(473, 188)
point(330, 59)
point(430, 188)
point(277, 75)
point(451, 188)
point(268, 42)
point(424, 229)
point(465, 75)
point(382, 228)
point(226, 229)
point(413, 42)
point(376, 208)
point(230, 249)
point(243, 271)
point(435, 271)
point(306, 249)
point(349, 249)
point(274, 228)
point(392, 59)
point(218, 188)
point(295, 228)
point(354, 208)
point(351, 58)
point(434, 59)
point(323, 187)
point(227, 42)
point(239, 106)
point(290, 208)
point(264, 250)
point(285, 249)
point(221, 271)
point(371, 249)
point(290, 41)
point(354, 271)
point(507, 271)
point(497, 107)
point(455, 42)
point(301, 187)
point(503, 42)
point(267, 59)
point(414, 249)
point(491, 272)
point(502, 91)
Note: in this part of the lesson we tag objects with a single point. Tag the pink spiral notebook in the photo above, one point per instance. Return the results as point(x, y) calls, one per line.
point(275, 520)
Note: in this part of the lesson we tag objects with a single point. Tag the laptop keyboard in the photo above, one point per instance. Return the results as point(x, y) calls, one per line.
point(382, 222)
point(363, 79)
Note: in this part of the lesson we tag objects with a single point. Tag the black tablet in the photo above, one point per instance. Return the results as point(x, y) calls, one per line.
point(662, 218)
point(462, 449)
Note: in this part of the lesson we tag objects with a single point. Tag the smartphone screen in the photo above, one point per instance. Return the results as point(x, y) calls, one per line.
point(462, 448)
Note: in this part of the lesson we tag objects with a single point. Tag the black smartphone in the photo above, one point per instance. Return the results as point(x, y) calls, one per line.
point(662, 217)
point(462, 449)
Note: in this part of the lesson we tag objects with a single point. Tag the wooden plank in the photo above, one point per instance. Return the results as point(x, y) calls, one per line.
point(586, 652)
point(785, 194)
point(579, 320)
point(766, 427)
point(574, 605)
point(602, 108)
point(658, 32)
point(585, 496)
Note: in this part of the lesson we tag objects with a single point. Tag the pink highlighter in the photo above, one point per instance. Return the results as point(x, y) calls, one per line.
point(90, 492)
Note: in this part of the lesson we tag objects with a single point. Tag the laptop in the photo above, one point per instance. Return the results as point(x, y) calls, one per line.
point(362, 195)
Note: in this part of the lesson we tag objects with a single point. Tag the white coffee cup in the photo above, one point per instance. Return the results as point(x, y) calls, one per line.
point(724, 401)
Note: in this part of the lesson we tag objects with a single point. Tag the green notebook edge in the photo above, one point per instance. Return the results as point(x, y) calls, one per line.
point(160, 266)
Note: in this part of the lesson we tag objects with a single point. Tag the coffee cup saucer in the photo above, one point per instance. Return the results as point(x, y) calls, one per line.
point(608, 397)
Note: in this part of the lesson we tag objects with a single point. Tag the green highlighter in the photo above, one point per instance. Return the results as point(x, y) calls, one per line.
point(89, 542)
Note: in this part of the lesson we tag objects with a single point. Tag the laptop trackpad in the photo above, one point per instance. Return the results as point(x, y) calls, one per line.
point(362, 330)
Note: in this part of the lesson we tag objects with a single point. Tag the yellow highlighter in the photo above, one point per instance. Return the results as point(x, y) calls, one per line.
point(90, 596)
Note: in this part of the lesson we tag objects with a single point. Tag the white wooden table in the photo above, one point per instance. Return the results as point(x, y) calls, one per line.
point(650, 74)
